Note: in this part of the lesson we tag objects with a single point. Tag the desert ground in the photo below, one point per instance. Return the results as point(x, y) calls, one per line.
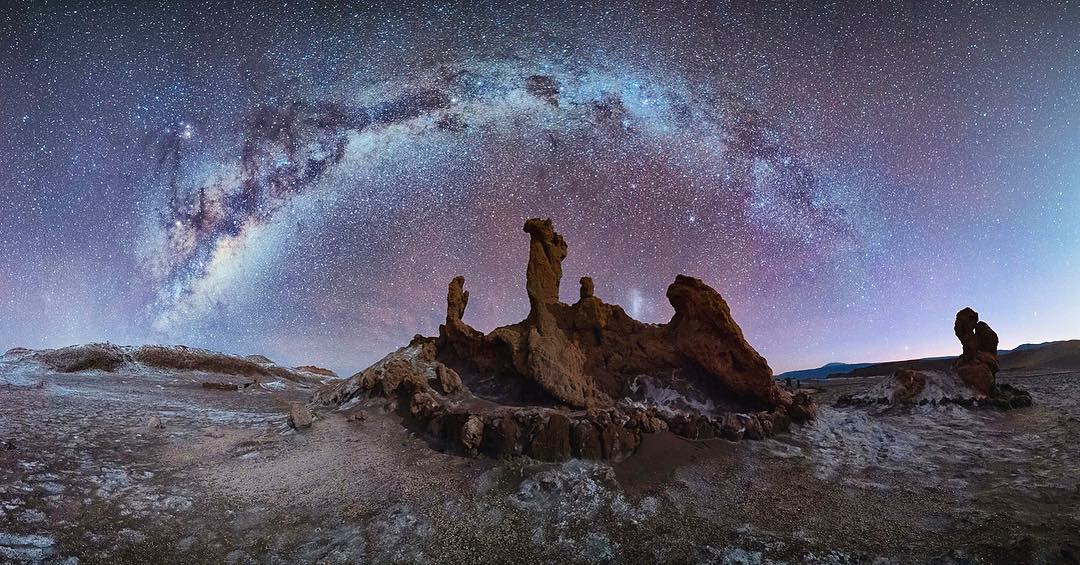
point(87, 476)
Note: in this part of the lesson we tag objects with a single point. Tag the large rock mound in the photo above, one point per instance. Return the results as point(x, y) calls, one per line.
point(582, 379)
point(110, 358)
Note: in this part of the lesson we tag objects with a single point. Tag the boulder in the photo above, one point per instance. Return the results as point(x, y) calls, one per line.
point(908, 385)
point(585, 440)
point(472, 434)
point(1007, 397)
point(802, 408)
point(424, 406)
point(300, 417)
point(449, 380)
point(502, 436)
point(551, 439)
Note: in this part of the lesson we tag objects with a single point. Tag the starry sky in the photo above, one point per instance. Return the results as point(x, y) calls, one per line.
point(303, 181)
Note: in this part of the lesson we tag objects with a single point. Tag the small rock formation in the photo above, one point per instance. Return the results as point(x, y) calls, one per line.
point(586, 288)
point(969, 382)
point(582, 379)
point(909, 385)
point(580, 355)
point(978, 361)
point(977, 365)
point(300, 416)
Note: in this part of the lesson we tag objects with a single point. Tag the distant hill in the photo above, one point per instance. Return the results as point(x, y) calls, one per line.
point(822, 371)
point(1049, 356)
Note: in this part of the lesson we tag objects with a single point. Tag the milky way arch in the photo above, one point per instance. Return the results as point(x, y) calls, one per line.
point(740, 164)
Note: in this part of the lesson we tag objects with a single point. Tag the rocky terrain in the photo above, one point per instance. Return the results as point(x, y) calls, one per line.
point(144, 465)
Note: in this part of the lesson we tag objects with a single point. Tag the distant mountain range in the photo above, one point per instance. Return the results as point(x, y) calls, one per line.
point(1049, 356)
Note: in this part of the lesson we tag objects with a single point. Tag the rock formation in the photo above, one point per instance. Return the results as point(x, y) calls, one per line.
point(300, 417)
point(970, 381)
point(580, 379)
point(977, 364)
point(109, 357)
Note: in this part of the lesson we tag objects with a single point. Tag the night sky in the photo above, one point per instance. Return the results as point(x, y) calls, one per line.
point(304, 181)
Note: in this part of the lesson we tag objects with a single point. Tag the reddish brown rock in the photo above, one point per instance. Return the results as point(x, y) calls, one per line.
point(551, 438)
point(977, 364)
point(584, 354)
point(586, 288)
point(547, 249)
point(752, 428)
point(423, 406)
point(454, 430)
point(970, 381)
point(472, 434)
point(585, 440)
point(732, 427)
point(986, 340)
point(502, 436)
point(706, 333)
point(457, 298)
point(449, 380)
point(964, 328)
point(909, 384)
point(802, 408)
point(535, 377)
point(76, 358)
point(403, 373)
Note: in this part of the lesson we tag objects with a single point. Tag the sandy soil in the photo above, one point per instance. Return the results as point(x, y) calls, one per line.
point(83, 479)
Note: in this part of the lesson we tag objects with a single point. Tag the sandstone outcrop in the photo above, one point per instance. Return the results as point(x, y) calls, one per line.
point(978, 363)
point(583, 355)
point(582, 379)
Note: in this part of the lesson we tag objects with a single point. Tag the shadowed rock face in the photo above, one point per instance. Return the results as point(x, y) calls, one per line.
point(584, 379)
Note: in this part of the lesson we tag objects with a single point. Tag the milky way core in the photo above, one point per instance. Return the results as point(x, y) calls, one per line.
point(304, 181)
